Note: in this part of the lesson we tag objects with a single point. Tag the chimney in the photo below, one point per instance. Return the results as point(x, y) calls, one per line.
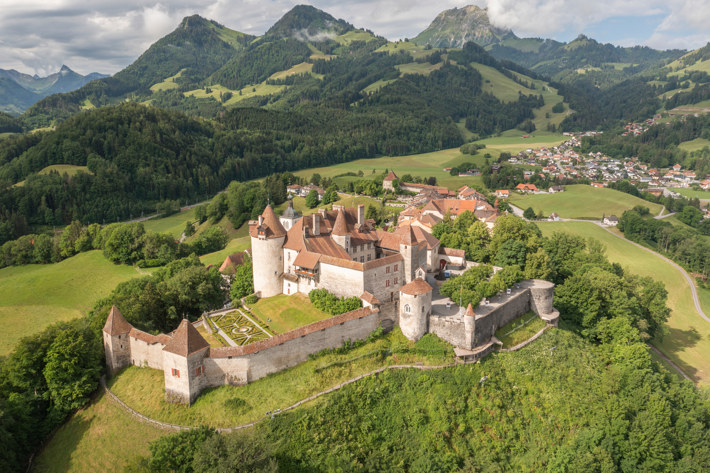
point(261, 220)
point(316, 225)
point(361, 215)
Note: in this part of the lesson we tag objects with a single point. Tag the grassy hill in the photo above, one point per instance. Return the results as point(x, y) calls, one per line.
point(582, 201)
point(35, 296)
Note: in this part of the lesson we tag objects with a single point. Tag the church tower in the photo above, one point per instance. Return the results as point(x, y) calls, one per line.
point(290, 215)
point(267, 241)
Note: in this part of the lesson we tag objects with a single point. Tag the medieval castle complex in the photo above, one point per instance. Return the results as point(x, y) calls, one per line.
point(340, 251)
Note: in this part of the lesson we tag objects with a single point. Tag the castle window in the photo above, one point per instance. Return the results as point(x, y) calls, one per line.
point(395, 280)
point(422, 310)
point(362, 259)
point(388, 283)
point(396, 267)
point(387, 270)
point(369, 257)
point(176, 373)
point(407, 308)
point(200, 369)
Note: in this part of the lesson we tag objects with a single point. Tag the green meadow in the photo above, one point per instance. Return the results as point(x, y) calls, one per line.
point(284, 313)
point(582, 201)
point(687, 341)
point(35, 296)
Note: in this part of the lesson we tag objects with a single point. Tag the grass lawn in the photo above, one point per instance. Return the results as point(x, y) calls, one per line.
point(501, 87)
point(302, 68)
point(100, 437)
point(173, 224)
point(354, 35)
point(582, 201)
point(687, 342)
point(284, 313)
point(34, 296)
point(519, 330)
point(143, 388)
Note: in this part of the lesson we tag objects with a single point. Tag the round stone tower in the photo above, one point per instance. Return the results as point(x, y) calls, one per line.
point(469, 324)
point(267, 241)
point(415, 308)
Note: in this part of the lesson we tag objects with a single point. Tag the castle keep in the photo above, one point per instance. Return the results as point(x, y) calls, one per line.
point(338, 250)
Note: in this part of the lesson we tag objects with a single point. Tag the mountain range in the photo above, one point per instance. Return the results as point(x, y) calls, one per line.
point(18, 91)
point(204, 68)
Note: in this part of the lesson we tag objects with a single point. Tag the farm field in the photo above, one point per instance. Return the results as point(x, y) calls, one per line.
point(687, 342)
point(432, 164)
point(692, 193)
point(582, 201)
point(284, 313)
point(68, 289)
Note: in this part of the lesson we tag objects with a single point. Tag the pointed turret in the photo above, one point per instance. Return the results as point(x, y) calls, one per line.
point(186, 340)
point(469, 311)
point(269, 225)
point(339, 228)
point(116, 323)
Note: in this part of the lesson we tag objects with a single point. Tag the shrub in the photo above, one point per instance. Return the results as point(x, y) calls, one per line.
point(251, 299)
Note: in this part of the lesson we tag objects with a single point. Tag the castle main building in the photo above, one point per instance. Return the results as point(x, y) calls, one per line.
point(340, 251)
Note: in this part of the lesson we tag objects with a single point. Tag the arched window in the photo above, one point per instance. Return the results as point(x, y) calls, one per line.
point(407, 308)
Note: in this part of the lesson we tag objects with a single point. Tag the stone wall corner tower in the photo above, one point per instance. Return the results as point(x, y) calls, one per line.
point(117, 346)
point(267, 241)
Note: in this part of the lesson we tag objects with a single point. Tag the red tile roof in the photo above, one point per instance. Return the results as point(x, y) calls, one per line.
point(416, 287)
point(369, 298)
point(115, 323)
point(186, 340)
point(391, 176)
point(339, 228)
point(469, 311)
point(306, 259)
point(271, 226)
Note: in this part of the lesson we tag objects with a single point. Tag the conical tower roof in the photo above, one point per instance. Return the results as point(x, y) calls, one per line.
point(116, 323)
point(469, 311)
point(271, 225)
point(339, 228)
point(186, 340)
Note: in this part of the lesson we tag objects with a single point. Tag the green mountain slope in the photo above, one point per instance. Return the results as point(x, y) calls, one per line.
point(306, 23)
point(196, 49)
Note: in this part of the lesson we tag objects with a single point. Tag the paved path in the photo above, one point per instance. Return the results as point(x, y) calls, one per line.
point(668, 360)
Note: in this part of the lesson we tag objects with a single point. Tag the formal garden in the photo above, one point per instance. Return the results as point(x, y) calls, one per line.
point(240, 328)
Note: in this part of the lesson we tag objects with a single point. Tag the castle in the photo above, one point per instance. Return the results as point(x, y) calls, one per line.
point(338, 250)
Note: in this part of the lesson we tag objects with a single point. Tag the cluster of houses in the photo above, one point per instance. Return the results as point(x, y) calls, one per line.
point(564, 162)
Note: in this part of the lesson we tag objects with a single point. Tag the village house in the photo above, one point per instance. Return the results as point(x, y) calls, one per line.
point(525, 188)
point(611, 220)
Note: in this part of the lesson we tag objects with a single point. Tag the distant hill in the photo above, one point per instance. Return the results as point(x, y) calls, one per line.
point(456, 27)
point(307, 23)
point(19, 91)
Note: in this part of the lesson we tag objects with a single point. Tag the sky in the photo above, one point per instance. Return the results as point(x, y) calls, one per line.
point(38, 36)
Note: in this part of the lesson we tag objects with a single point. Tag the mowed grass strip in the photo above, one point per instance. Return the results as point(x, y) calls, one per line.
point(172, 225)
point(287, 312)
point(100, 437)
point(582, 201)
point(35, 296)
point(687, 342)
point(143, 388)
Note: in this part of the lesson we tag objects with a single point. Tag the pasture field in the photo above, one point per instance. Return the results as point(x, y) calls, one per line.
point(87, 105)
point(501, 87)
point(692, 193)
point(172, 224)
point(423, 68)
point(168, 84)
point(143, 388)
point(284, 313)
point(415, 50)
point(100, 437)
point(354, 35)
point(302, 68)
point(687, 341)
point(694, 145)
point(35, 296)
point(582, 201)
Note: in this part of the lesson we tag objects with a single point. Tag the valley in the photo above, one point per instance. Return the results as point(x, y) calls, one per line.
point(271, 240)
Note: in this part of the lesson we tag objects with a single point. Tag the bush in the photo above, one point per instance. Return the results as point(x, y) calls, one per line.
point(251, 299)
point(331, 304)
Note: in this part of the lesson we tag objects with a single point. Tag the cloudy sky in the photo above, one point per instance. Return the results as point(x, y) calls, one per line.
point(38, 36)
